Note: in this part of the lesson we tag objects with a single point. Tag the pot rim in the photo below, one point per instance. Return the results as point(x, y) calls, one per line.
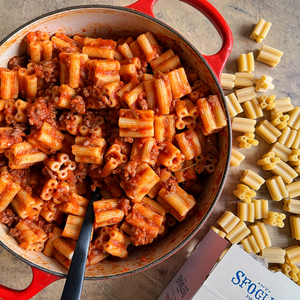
point(222, 182)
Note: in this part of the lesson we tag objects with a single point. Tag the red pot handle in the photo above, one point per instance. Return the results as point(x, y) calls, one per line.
point(39, 281)
point(218, 60)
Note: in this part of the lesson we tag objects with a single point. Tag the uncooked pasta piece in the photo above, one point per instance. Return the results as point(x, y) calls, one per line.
point(233, 104)
point(273, 255)
point(245, 94)
point(246, 62)
point(243, 125)
point(245, 211)
point(260, 30)
point(261, 235)
point(252, 179)
point(227, 221)
point(244, 193)
point(250, 244)
point(227, 81)
point(261, 208)
point(238, 233)
point(269, 55)
point(236, 158)
point(247, 140)
point(276, 188)
point(275, 219)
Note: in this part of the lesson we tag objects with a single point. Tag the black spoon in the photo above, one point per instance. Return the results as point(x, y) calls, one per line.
point(73, 285)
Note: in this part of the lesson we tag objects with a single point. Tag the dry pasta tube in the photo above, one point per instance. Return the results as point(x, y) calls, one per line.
point(269, 55)
point(290, 270)
point(246, 62)
point(252, 109)
point(282, 105)
point(233, 104)
point(276, 188)
point(291, 205)
point(260, 30)
point(294, 157)
point(283, 170)
point(252, 179)
point(293, 254)
point(274, 255)
point(294, 120)
point(245, 94)
point(261, 208)
point(227, 81)
point(238, 233)
point(236, 158)
point(243, 80)
point(295, 227)
point(293, 189)
point(267, 131)
point(261, 235)
point(266, 103)
point(245, 211)
point(281, 151)
point(243, 125)
point(287, 137)
point(228, 221)
point(247, 140)
point(250, 245)
point(244, 193)
point(279, 120)
point(268, 161)
point(219, 232)
point(275, 219)
point(263, 84)
point(296, 140)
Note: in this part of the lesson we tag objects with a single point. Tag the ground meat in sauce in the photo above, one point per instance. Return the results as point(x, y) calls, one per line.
point(15, 232)
point(17, 61)
point(140, 237)
point(9, 217)
point(48, 70)
point(125, 205)
point(78, 105)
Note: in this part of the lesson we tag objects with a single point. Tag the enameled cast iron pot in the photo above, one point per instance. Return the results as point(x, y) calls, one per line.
point(110, 21)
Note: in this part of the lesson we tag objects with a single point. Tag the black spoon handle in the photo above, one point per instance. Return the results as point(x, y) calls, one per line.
point(73, 284)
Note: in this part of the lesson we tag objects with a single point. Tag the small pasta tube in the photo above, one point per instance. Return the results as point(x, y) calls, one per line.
point(261, 208)
point(245, 211)
point(228, 221)
point(294, 120)
point(243, 125)
point(238, 233)
point(274, 255)
point(263, 84)
point(261, 235)
point(245, 94)
point(267, 131)
point(269, 55)
point(291, 205)
point(246, 62)
point(293, 254)
point(290, 270)
point(166, 62)
point(49, 247)
point(243, 80)
point(260, 30)
point(187, 114)
point(283, 170)
point(179, 83)
point(211, 114)
point(294, 157)
point(295, 227)
point(252, 179)
point(9, 84)
point(288, 138)
point(75, 205)
point(227, 81)
point(233, 104)
point(72, 227)
point(244, 193)
point(164, 128)
point(282, 106)
point(252, 109)
point(8, 190)
point(247, 140)
point(276, 188)
point(275, 219)
point(266, 103)
point(236, 158)
point(62, 260)
point(293, 189)
point(250, 245)
point(149, 46)
point(281, 151)
point(279, 120)
point(65, 247)
point(268, 161)
point(217, 231)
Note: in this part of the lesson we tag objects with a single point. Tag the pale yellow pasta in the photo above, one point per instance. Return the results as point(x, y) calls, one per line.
point(250, 244)
point(279, 120)
point(252, 109)
point(294, 121)
point(294, 157)
point(274, 255)
point(295, 227)
point(275, 219)
point(243, 80)
point(219, 232)
point(233, 104)
point(247, 140)
point(293, 189)
point(282, 105)
point(246, 62)
point(238, 233)
point(290, 270)
point(283, 170)
point(293, 254)
point(266, 103)
point(291, 205)
point(243, 125)
point(227, 81)
point(261, 235)
point(244, 193)
point(287, 137)
point(261, 208)
point(267, 131)
point(276, 188)
point(296, 141)
point(228, 221)
point(245, 211)
point(260, 30)
point(252, 179)
point(245, 94)
point(236, 158)
point(263, 84)
point(269, 55)
point(268, 161)
point(281, 151)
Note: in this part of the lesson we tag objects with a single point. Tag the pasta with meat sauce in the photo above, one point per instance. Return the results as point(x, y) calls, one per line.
point(127, 117)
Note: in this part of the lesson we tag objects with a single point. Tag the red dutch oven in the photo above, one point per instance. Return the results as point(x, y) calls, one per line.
point(109, 22)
